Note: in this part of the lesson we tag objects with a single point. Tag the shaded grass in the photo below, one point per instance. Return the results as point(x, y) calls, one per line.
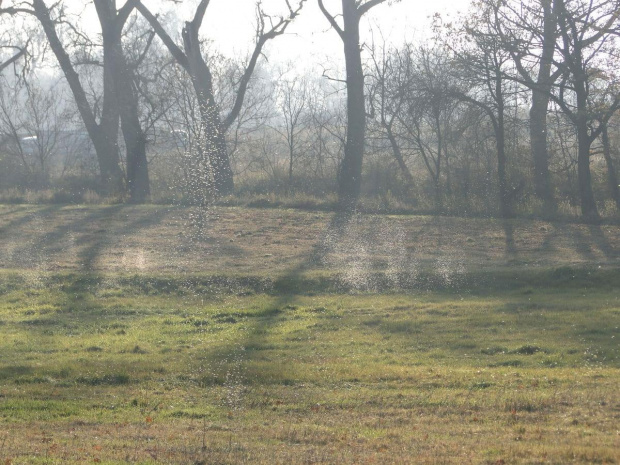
point(526, 282)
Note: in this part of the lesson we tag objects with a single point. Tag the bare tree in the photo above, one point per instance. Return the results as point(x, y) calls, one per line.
point(103, 133)
point(350, 172)
point(389, 90)
point(328, 129)
point(529, 31)
point(292, 102)
point(587, 52)
point(481, 64)
point(191, 58)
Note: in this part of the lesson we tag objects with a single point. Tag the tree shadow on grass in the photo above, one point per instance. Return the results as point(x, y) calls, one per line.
point(12, 210)
point(101, 243)
point(45, 245)
point(234, 360)
point(599, 238)
point(22, 220)
point(511, 250)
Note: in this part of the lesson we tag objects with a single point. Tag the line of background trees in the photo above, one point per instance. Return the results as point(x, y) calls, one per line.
point(511, 108)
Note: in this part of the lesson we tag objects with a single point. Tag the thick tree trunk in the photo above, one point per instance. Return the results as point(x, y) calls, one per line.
point(612, 175)
point(103, 135)
point(214, 145)
point(540, 155)
point(538, 112)
point(135, 140)
point(108, 126)
point(106, 148)
point(350, 172)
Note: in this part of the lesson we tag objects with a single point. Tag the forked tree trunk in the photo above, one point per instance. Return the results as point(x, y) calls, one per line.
point(122, 98)
point(103, 135)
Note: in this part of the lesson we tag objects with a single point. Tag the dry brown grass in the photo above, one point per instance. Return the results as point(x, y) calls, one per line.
point(257, 242)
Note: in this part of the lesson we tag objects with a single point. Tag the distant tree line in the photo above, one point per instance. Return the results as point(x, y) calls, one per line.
point(509, 108)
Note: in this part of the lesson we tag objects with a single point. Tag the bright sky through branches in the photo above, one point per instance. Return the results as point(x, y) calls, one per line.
point(231, 26)
point(308, 42)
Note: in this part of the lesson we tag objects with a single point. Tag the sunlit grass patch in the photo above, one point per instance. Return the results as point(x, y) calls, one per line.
point(295, 364)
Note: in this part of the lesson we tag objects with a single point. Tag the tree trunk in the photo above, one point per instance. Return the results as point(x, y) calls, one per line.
point(437, 180)
point(135, 140)
point(103, 135)
point(612, 175)
point(291, 153)
point(505, 197)
point(589, 212)
point(214, 145)
point(538, 112)
point(135, 143)
point(540, 155)
point(398, 155)
point(350, 172)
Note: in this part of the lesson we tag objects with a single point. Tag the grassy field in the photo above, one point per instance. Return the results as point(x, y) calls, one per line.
point(279, 336)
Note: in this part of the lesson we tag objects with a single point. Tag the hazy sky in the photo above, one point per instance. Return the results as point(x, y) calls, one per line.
point(309, 41)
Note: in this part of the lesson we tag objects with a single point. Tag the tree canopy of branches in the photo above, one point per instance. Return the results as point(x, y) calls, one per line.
point(191, 58)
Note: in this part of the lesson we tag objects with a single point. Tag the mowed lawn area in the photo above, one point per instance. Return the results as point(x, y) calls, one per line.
point(132, 335)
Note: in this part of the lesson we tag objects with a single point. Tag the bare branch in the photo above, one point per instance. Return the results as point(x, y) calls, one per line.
point(200, 14)
point(363, 9)
point(174, 49)
point(262, 37)
point(331, 19)
point(13, 59)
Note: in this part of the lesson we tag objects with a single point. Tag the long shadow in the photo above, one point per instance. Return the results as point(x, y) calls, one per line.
point(50, 242)
point(325, 245)
point(263, 325)
point(80, 307)
point(40, 213)
point(582, 245)
point(12, 211)
point(603, 243)
point(89, 255)
point(511, 250)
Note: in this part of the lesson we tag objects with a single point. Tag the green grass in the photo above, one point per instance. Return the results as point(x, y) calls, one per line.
point(121, 341)
point(154, 374)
